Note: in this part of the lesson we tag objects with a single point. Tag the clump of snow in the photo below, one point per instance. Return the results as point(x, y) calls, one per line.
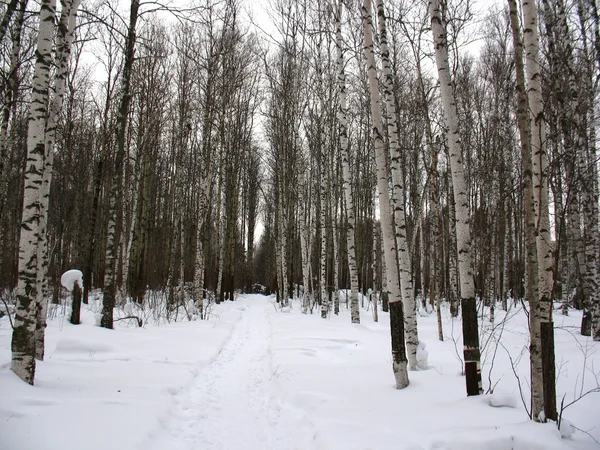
point(422, 356)
point(128, 308)
point(566, 429)
point(501, 400)
point(286, 309)
point(69, 278)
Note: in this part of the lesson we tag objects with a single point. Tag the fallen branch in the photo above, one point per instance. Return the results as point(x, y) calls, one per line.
point(139, 320)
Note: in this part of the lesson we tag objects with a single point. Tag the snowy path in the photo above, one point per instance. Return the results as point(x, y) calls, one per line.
point(230, 405)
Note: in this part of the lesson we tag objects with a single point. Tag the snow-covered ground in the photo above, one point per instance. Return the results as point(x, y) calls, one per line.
point(253, 377)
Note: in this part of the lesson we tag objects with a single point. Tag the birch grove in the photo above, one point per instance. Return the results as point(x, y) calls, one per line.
point(363, 161)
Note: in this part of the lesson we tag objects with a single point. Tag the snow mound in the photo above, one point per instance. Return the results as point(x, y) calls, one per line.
point(69, 277)
point(286, 309)
point(519, 436)
point(501, 400)
point(566, 429)
point(74, 346)
point(422, 356)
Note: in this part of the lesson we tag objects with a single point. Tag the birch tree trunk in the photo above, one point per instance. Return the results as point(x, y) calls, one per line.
point(114, 209)
point(406, 282)
point(540, 188)
point(524, 123)
point(66, 27)
point(463, 234)
point(23, 338)
point(452, 255)
point(305, 246)
point(399, 361)
point(323, 183)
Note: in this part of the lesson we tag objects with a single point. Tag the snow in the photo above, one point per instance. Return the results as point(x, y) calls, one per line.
point(68, 279)
point(251, 377)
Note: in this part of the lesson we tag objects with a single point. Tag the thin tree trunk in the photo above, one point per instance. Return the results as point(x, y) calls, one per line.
point(406, 282)
point(114, 210)
point(8, 12)
point(540, 188)
point(399, 360)
point(452, 255)
point(524, 123)
point(467, 288)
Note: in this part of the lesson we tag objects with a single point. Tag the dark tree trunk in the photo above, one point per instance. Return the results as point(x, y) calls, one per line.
point(76, 305)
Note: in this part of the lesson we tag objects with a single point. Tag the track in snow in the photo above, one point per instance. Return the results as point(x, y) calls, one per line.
point(230, 405)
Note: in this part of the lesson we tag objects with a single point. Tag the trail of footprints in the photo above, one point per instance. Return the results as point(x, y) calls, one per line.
point(229, 405)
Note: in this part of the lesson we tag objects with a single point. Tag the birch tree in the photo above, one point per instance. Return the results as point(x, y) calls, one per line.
point(23, 338)
point(399, 361)
point(540, 187)
point(406, 282)
point(346, 186)
point(114, 225)
point(467, 288)
point(66, 27)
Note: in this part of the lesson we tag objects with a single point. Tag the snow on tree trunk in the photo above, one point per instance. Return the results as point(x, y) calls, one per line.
point(406, 282)
point(23, 338)
point(463, 234)
point(399, 361)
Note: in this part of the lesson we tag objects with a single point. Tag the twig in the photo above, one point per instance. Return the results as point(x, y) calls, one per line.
point(8, 312)
point(586, 432)
point(139, 320)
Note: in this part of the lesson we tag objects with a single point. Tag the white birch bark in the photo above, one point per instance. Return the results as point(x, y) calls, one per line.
point(23, 338)
point(406, 282)
point(540, 188)
point(220, 243)
point(66, 27)
point(323, 185)
point(539, 157)
point(181, 262)
point(452, 255)
point(336, 284)
point(199, 261)
point(399, 362)
point(524, 123)
point(304, 247)
point(282, 238)
point(463, 234)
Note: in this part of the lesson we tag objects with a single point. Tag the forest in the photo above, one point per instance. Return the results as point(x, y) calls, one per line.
point(419, 154)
